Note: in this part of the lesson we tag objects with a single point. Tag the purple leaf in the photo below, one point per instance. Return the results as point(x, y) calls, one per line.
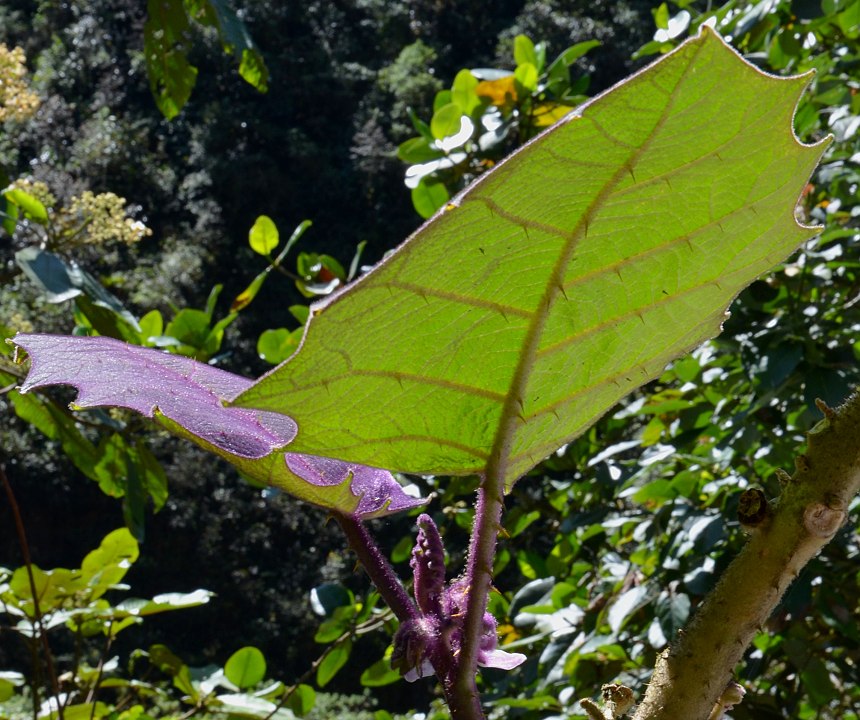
point(189, 398)
point(109, 372)
point(378, 488)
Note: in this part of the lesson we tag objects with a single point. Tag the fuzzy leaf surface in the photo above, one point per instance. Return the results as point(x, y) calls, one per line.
point(188, 397)
point(559, 282)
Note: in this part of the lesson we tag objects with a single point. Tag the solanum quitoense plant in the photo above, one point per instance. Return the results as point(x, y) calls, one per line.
point(584, 263)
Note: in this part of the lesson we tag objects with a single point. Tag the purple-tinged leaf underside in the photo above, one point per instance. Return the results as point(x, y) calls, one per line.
point(188, 398)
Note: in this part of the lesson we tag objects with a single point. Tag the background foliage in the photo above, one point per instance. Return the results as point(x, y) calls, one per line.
point(612, 541)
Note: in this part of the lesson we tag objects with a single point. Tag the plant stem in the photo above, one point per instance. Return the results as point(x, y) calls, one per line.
point(462, 691)
point(37, 613)
point(94, 690)
point(377, 567)
point(694, 671)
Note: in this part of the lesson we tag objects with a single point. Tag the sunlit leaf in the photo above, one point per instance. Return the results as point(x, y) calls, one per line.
point(446, 121)
point(107, 565)
point(418, 150)
point(463, 92)
point(245, 667)
point(263, 236)
point(567, 277)
point(524, 51)
point(31, 205)
point(526, 76)
point(275, 346)
point(428, 197)
point(151, 324)
point(574, 52)
point(164, 603)
point(626, 604)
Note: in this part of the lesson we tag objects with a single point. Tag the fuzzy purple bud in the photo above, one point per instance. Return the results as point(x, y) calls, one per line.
point(428, 567)
point(436, 636)
point(413, 641)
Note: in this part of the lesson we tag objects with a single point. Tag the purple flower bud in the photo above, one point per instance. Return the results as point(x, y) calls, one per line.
point(438, 634)
point(413, 642)
point(428, 567)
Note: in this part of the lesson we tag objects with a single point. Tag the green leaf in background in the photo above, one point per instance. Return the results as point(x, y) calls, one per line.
point(164, 603)
point(47, 417)
point(165, 660)
point(661, 16)
point(380, 673)
point(10, 216)
point(275, 346)
point(9, 680)
point(574, 52)
point(32, 206)
point(561, 281)
point(263, 236)
point(165, 42)
point(463, 92)
point(234, 37)
point(107, 564)
point(524, 51)
point(246, 297)
point(333, 662)
point(190, 327)
point(253, 70)
point(446, 121)
point(428, 197)
point(151, 325)
point(246, 667)
point(526, 76)
point(301, 701)
point(418, 150)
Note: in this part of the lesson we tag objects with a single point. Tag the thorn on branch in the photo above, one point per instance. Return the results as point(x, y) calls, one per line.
point(828, 412)
point(617, 701)
point(783, 477)
point(592, 710)
point(732, 695)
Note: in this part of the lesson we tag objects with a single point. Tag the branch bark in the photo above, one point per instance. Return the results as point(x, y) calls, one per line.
point(691, 675)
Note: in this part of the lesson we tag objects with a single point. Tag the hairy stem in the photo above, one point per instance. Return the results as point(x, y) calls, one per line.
point(691, 675)
point(377, 567)
point(462, 693)
point(37, 612)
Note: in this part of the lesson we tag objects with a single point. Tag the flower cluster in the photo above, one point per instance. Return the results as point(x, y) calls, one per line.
point(436, 635)
point(17, 101)
point(105, 219)
point(36, 188)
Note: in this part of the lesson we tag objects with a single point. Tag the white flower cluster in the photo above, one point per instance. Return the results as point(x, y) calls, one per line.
point(17, 100)
point(105, 218)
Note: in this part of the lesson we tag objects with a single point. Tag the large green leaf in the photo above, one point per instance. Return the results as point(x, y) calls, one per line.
point(562, 280)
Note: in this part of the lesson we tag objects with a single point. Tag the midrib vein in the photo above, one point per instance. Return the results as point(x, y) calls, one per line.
point(500, 452)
